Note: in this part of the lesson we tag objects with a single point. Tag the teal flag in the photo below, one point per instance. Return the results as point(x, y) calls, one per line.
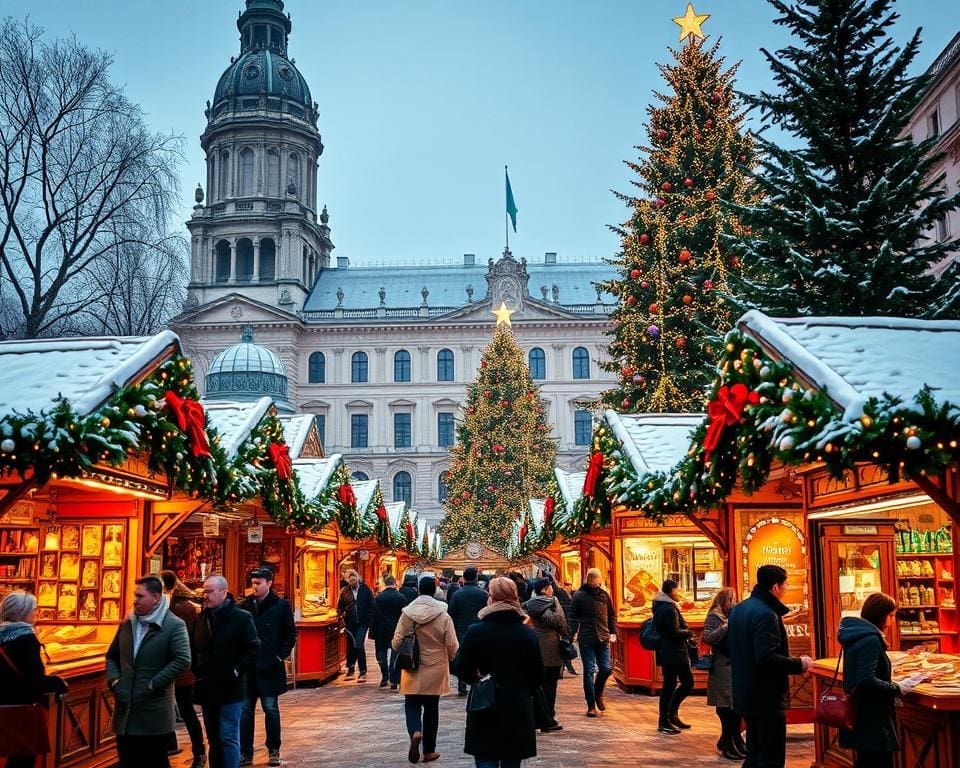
point(511, 203)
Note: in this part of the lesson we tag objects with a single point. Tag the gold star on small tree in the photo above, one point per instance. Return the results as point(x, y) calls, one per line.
point(690, 23)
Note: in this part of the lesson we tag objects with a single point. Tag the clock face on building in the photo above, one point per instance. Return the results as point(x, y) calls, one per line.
point(473, 549)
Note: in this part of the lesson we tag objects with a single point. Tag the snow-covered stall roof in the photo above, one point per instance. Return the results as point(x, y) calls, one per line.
point(856, 358)
point(571, 487)
point(315, 474)
point(537, 507)
point(364, 491)
point(296, 432)
point(653, 442)
point(85, 371)
point(395, 514)
point(235, 422)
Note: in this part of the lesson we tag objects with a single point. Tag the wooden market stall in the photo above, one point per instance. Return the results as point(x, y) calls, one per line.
point(77, 478)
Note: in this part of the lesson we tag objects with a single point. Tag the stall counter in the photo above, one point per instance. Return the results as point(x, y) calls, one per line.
point(635, 667)
point(320, 649)
point(928, 725)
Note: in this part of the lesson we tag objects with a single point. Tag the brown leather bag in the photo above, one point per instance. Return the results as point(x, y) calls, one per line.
point(23, 727)
point(835, 707)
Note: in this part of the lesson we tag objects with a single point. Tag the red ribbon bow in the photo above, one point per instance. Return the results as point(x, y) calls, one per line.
point(593, 474)
point(410, 534)
point(548, 510)
point(523, 532)
point(382, 513)
point(280, 456)
point(190, 419)
point(724, 411)
point(347, 496)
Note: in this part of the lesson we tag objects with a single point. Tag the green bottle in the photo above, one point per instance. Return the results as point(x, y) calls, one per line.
point(915, 540)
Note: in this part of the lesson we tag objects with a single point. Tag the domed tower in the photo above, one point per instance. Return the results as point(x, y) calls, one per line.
point(246, 372)
point(257, 230)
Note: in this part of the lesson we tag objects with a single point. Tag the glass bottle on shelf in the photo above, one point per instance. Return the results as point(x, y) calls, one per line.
point(914, 540)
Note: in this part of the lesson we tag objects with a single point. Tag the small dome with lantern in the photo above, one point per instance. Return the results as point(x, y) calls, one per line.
point(247, 372)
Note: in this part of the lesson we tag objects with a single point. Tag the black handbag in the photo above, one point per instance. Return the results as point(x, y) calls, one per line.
point(408, 655)
point(481, 697)
point(568, 651)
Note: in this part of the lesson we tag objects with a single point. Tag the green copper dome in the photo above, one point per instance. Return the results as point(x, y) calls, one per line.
point(262, 77)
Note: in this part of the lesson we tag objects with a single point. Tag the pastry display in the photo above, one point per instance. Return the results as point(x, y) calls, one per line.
point(942, 670)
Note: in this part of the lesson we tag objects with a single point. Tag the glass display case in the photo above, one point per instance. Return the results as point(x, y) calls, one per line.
point(858, 575)
point(570, 573)
point(194, 557)
point(316, 591)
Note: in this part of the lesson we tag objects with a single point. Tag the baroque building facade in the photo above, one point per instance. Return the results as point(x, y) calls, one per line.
point(382, 357)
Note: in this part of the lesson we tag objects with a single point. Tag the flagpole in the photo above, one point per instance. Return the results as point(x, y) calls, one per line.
point(506, 215)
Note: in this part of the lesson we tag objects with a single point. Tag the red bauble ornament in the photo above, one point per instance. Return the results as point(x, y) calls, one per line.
point(661, 134)
point(688, 182)
point(644, 284)
point(748, 230)
point(627, 370)
point(635, 273)
point(488, 394)
point(666, 186)
point(716, 95)
point(505, 403)
point(710, 195)
point(465, 494)
point(708, 124)
point(490, 489)
point(632, 301)
point(644, 239)
point(456, 502)
point(685, 256)
point(734, 261)
point(681, 342)
point(625, 402)
point(483, 363)
point(660, 202)
point(708, 284)
point(687, 299)
point(654, 309)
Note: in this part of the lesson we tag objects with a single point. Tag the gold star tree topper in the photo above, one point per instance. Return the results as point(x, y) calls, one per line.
point(503, 314)
point(690, 23)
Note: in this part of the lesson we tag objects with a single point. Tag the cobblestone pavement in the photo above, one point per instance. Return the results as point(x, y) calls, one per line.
point(358, 725)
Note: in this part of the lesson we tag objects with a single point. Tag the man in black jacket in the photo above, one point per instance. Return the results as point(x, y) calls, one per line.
point(224, 644)
point(355, 608)
point(273, 619)
point(463, 609)
point(593, 622)
point(563, 597)
point(761, 662)
point(409, 587)
point(386, 614)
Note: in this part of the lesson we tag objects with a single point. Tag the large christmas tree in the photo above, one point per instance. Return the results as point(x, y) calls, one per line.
point(504, 454)
point(674, 265)
point(848, 201)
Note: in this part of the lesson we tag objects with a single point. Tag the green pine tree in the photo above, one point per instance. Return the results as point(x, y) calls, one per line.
point(674, 264)
point(504, 455)
point(848, 204)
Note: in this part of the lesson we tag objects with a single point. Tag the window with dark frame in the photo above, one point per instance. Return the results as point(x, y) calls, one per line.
point(402, 437)
point(445, 365)
point(446, 434)
point(358, 430)
point(358, 368)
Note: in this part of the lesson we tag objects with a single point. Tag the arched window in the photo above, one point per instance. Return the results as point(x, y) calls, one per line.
point(223, 261)
point(581, 363)
point(293, 172)
point(358, 368)
point(403, 488)
point(246, 172)
point(582, 427)
point(359, 476)
point(317, 368)
point(244, 260)
point(273, 173)
point(445, 365)
point(442, 487)
point(401, 365)
point(268, 259)
point(223, 185)
point(538, 364)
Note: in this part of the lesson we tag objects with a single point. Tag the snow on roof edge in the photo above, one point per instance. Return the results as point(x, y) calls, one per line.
point(766, 330)
point(303, 423)
point(330, 466)
point(626, 442)
point(149, 350)
point(254, 413)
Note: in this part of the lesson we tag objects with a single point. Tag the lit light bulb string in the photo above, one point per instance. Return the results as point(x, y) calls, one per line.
point(789, 424)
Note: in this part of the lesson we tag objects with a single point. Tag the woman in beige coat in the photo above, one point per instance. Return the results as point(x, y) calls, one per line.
point(423, 687)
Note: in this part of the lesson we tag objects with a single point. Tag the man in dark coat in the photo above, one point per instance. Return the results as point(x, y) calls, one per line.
point(355, 609)
point(277, 631)
point(409, 587)
point(387, 606)
point(593, 622)
point(150, 650)
point(761, 666)
point(463, 609)
point(225, 647)
point(672, 656)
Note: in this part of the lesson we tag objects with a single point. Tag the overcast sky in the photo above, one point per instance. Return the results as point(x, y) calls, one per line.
point(422, 102)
